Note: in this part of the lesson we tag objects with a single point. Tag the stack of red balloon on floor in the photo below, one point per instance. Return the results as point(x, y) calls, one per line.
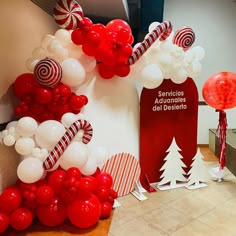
point(61, 195)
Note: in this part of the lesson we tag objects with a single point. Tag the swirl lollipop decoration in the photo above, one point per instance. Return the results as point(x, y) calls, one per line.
point(48, 72)
point(68, 14)
point(184, 38)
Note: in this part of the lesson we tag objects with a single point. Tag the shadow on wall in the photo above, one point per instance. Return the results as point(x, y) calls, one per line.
point(9, 161)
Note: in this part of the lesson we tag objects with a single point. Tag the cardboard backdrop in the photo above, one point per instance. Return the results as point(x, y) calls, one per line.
point(167, 111)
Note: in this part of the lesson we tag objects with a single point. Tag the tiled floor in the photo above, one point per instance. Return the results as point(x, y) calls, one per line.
point(209, 211)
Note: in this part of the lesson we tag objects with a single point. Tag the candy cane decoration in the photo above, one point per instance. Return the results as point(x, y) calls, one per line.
point(65, 140)
point(163, 31)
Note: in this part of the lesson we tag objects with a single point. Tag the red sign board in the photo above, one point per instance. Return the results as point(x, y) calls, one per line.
point(167, 111)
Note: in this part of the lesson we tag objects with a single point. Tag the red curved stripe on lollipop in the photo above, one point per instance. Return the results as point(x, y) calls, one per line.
point(65, 140)
point(163, 31)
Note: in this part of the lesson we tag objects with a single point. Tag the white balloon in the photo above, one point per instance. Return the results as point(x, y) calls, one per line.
point(9, 140)
point(195, 69)
point(59, 53)
point(89, 63)
point(188, 57)
point(179, 76)
point(46, 40)
point(30, 170)
point(73, 72)
point(198, 52)
point(26, 126)
point(54, 43)
point(151, 76)
point(152, 26)
point(49, 133)
point(39, 53)
point(166, 46)
point(63, 36)
point(24, 146)
point(75, 155)
point(90, 167)
point(36, 153)
point(11, 124)
point(30, 63)
point(68, 119)
point(165, 59)
point(74, 51)
point(100, 154)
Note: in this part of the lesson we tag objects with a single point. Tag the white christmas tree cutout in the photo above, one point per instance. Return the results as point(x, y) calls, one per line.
point(173, 172)
point(197, 173)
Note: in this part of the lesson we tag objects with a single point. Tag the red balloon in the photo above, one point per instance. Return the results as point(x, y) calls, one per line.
point(85, 213)
point(78, 37)
point(43, 95)
point(123, 35)
point(106, 209)
point(102, 193)
point(10, 199)
point(106, 72)
point(21, 219)
point(118, 24)
point(122, 70)
point(99, 28)
point(87, 186)
point(76, 102)
point(44, 194)
point(89, 49)
point(53, 214)
point(73, 172)
point(219, 91)
point(4, 222)
point(104, 179)
point(25, 84)
point(56, 180)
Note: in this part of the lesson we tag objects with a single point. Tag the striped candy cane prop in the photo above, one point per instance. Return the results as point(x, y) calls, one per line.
point(163, 31)
point(65, 140)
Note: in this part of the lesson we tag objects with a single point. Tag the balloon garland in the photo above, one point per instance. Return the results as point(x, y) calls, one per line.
point(54, 184)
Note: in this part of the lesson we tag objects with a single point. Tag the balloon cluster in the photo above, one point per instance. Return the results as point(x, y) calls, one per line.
point(110, 45)
point(173, 58)
point(45, 103)
point(60, 195)
point(34, 142)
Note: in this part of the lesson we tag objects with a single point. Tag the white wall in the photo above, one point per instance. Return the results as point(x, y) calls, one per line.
point(214, 24)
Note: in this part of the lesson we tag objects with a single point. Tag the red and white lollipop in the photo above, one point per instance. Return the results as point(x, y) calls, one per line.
point(184, 38)
point(68, 14)
point(48, 72)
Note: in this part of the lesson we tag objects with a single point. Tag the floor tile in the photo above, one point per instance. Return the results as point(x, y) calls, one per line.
point(137, 227)
point(167, 219)
point(222, 219)
point(195, 228)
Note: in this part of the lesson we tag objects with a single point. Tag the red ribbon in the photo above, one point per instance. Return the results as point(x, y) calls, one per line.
point(222, 127)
